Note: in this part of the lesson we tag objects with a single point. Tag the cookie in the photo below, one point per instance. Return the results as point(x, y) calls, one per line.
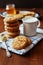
point(11, 21)
point(13, 34)
point(11, 24)
point(30, 13)
point(20, 42)
point(13, 18)
point(18, 16)
point(12, 28)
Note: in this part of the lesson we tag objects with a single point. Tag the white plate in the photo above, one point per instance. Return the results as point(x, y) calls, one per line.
point(37, 15)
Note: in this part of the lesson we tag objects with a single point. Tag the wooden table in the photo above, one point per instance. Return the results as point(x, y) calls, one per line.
point(33, 57)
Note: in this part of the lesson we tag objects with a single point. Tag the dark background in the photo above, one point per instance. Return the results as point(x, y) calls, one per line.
point(23, 3)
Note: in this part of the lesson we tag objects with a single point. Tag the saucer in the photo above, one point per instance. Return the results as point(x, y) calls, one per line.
point(37, 15)
point(3, 14)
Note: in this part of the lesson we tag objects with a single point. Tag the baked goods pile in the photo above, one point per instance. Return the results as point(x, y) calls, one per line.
point(11, 25)
point(20, 42)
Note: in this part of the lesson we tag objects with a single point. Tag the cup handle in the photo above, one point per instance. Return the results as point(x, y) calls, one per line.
point(38, 23)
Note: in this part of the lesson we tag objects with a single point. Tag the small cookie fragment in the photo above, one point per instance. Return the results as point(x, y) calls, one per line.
point(3, 37)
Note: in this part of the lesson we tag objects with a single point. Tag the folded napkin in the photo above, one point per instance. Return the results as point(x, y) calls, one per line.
point(35, 39)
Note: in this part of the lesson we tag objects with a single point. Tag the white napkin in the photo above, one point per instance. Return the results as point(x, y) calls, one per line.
point(35, 40)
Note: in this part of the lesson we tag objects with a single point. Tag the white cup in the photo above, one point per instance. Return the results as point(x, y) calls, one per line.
point(30, 25)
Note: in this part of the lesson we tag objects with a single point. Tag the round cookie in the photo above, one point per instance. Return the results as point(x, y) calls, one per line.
point(30, 13)
point(12, 28)
point(12, 34)
point(20, 42)
point(10, 19)
point(13, 19)
point(11, 24)
point(18, 16)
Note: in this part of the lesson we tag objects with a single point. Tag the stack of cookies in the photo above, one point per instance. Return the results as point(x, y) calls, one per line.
point(11, 27)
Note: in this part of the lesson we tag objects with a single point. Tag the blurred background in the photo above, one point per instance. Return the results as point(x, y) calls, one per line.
point(23, 3)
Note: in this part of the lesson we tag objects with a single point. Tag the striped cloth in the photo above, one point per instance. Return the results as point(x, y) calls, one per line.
point(35, 40)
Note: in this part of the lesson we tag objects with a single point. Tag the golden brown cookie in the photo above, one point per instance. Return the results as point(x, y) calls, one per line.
point(12, 28)
point(20, 42)
point(12, 19)
point(30, 13)
point(11, 24)
point(18, 16)
point(13, 34)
